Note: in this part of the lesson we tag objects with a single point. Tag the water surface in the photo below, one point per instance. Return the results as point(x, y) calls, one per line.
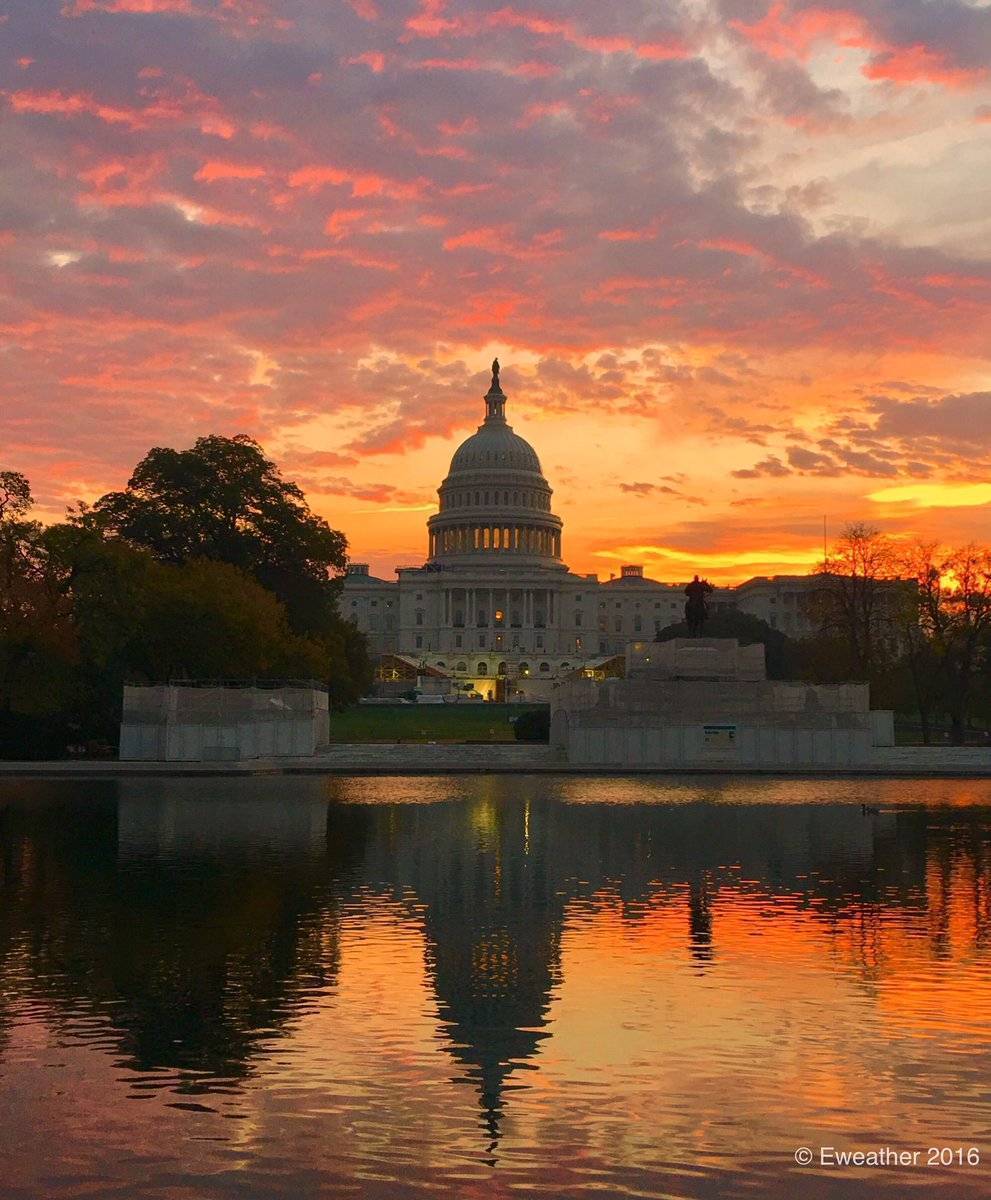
point(492, 986)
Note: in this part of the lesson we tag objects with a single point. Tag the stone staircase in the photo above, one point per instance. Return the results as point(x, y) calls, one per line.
point(941, 760)
point(438, 756)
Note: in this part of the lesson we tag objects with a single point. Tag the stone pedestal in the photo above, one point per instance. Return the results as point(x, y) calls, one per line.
point(707, 702)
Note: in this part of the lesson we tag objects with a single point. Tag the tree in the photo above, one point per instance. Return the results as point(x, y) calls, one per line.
point(15, 495)
point(83, 610)
point(38, 646)
point(857, 599)
point(954, 597)
point(224, 500)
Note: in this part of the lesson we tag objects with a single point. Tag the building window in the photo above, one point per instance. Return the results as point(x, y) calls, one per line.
point(460, 667)
point(545, 667)
point(619, 624)
point(419, 616)
point(501, 669)
point(482, 668)
point(457, 641)
point(637, 623)
point(441, 664)
point(578, 620)
point(419, 595)
point(602, 646)
point(524, 668)
point(419, 642)
point(374, 604)
point(481, 641)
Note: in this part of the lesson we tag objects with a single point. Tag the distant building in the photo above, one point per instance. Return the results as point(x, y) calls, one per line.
point(495, 607)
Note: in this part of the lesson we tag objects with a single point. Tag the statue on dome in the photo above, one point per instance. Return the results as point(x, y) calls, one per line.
point(495, 372)
point(697, 605)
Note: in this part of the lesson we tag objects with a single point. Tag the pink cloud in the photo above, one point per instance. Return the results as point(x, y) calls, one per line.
point(919, 64)
point(216, 170)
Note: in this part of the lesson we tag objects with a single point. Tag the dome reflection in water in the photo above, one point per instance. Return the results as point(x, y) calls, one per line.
point(490, 985)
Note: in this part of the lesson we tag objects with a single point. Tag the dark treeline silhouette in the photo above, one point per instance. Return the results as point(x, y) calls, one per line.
point(208, 565)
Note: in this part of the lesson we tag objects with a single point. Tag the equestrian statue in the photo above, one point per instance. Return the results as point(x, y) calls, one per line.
point(697, 605)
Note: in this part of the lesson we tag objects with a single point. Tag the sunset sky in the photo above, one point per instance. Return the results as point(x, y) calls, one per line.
point(734, 256)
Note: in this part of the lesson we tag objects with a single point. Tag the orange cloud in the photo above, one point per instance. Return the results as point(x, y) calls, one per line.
point(362, 183)
point(782, 33)
point(72, 104)
point(214, 170)
point(919, 64)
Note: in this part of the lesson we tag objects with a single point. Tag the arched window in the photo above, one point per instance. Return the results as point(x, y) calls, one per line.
point(524, 668)
point(460, 667)
point(544, 667)
point(441, 664)
point(564, 666)
point(482, 668)
point(501, 668)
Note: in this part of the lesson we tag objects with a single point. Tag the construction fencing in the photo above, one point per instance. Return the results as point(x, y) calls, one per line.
point(216, 723)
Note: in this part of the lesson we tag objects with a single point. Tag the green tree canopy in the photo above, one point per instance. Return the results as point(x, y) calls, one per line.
point(224, 500)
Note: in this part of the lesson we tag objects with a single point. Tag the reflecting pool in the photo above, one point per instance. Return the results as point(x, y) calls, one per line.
point(497, 986)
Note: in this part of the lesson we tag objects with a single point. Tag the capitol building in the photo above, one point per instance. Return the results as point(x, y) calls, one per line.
point(495, 609)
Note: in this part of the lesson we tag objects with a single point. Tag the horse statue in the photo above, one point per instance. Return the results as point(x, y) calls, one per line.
point(697, 605)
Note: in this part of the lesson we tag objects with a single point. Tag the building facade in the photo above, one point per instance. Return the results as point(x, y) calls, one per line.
point(495, 607)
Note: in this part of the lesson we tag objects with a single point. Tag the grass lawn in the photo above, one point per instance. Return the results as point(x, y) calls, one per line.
point(426, 722)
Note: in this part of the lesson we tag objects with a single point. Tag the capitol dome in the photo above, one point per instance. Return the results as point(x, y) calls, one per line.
point(495, 446)
point(495, 502)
